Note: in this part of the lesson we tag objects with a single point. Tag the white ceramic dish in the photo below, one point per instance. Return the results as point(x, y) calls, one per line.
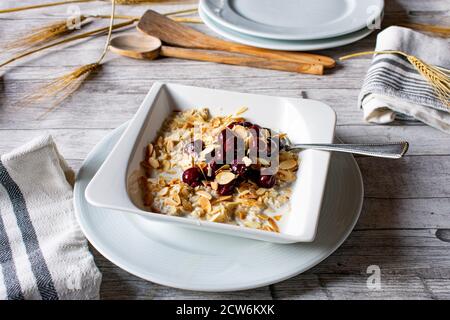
point(293, 20)
point(195, 260)
point(288, 45)
point(302, 119)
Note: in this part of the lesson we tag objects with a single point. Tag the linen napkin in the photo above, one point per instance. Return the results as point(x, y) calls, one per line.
point(43, 254)
point(394, 89)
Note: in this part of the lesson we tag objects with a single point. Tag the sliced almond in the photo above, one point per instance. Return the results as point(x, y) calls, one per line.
point(261, 191)
point(154, 163)
point(204, 204)
point(163, 191)
point(262, 216)
point(286, 175)
point(186, 205)
point(252, 224)
point(264, 162)
point(218, 217)
point(170, 202)
point(204, 194)
point(176, 198)
point(214, 185)
point(278, 217)
point(243, 193)
point(242, 215)
point(166, 165)
point(222, 198)
point(273, 224)
point(169, 145)
point(247, 161)
point(225, 177)
point(288, 164)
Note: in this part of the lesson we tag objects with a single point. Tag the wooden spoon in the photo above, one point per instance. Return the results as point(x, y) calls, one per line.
point(148, 47)
point(179, 35)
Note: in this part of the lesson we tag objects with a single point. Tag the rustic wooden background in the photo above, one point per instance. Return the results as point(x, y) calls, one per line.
point(405, 223)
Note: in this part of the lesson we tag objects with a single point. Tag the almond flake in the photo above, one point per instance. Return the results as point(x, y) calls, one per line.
point(204, 194)
point(264, 162)
point(163, 191)
point(154, 163)
point(222, 198)
point(176, 198)
point(242, 215)
point(204, 204)
point(274, 225)
point(170, 202)
point(214, 185)
point(247, 161)
point(225, 177)
point(277, 218)
point(261, 191)
point(287, 176)
point(218, 217)
point(262, 216)
point(288, 164)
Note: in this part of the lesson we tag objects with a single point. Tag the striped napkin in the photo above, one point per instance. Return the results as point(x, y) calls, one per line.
point(393, 89)
point(43, 254)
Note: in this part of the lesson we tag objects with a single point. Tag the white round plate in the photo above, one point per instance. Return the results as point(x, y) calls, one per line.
point(288, 45)
point(195, 260)
point(293, 19)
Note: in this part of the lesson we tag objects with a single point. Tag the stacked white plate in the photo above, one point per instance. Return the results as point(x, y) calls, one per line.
point(296, 25)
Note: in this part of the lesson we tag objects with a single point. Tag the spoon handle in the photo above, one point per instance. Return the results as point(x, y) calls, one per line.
point(394, 150)
point(240, 60)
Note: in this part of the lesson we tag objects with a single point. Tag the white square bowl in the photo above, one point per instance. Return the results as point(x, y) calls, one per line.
point(304, 121)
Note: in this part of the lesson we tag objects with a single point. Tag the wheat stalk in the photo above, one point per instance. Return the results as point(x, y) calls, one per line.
point(62, 87)
point(43, 34)
point(437, 77)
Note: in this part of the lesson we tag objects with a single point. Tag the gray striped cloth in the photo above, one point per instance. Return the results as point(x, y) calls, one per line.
point(43, 254)
point(393, 89)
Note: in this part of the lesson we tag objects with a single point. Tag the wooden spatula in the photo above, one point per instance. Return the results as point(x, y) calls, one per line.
point(176, 34)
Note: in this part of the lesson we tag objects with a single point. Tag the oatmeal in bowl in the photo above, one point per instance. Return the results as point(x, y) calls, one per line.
point(219, 169)
point(222, 169)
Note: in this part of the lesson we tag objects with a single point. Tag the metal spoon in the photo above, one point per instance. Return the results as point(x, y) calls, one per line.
point(139, 46)
point(392, 150)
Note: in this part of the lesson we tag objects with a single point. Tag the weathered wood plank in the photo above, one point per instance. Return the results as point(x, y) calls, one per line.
point(119, 284)
point(407, 258)
point(414, 176)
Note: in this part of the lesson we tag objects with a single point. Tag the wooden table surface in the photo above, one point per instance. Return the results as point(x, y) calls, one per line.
point(405, 222)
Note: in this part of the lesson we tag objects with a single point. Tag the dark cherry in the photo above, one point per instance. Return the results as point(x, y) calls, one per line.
point(240, 169)
point(225, 134)
point(192, 176)
point(266, 181)
point(253, 174)
point(255, 128)
point(194, 147)
point(226, 189)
